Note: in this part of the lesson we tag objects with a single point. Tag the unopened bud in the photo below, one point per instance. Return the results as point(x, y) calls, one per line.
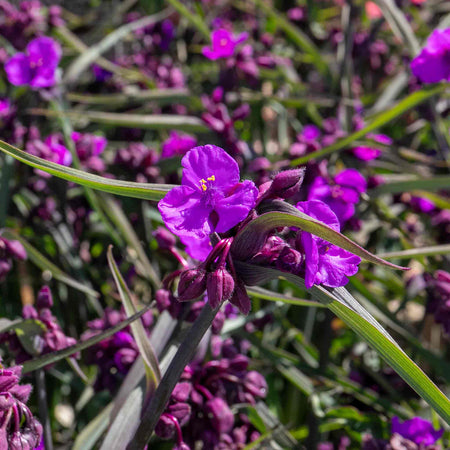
point(289, 260)
point(287, 183)
point(240, 298)
point(44, 298)
point(219, 286)
point(165, 239)
point(192, 284)
point(222, 419)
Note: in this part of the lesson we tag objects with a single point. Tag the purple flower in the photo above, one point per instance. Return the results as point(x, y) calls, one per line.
point(210, 197)
point(422, 204)
point(341, 194)
point(325, 263)
point(417, 430)
point(9, 250)
point(432, 64)
point(223, 44)
point(177, 144)
point(18, 428)
point(366, 153)
point(37, 66)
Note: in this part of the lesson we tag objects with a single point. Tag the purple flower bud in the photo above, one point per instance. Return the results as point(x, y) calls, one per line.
point(219, 286)
point(192, 284)
point(289, 260)
point(255, 384)
point(165, 239)
point(182, 391)
point(16, 249)
point(44, 298)
point(222, 419)
point(287, 183)
point(240, 298)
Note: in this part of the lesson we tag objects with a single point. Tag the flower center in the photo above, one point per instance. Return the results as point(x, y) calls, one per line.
point(204, 183)
point(223, 42)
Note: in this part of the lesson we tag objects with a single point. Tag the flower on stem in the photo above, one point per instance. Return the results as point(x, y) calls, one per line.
point(37, 66)
point(223, 44)
point(432, 64)
point(210, 197)
point(325, 263)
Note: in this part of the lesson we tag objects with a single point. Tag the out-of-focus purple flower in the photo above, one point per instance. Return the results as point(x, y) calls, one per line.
point(52, 338)
point(177, 144)
point(19, 430)
point(366, 153)
point(7, 113)
point(325, 263)
point(439, 298)
point(101, 75)
point(417, 430)
point(341, 194)
point(422, 204)
point(210, 197)
point(37, 66)
point(89, 147)
point(10, 250)
point(432, 64)
point(140, 161)
point(223, 44)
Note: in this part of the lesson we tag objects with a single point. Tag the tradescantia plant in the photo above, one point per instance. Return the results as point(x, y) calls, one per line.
point(245, 236)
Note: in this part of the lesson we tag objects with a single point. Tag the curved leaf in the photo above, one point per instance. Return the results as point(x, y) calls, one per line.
point(428, 184)
point(409, 102)
point(144, 191)
point(341, 302)
point(280, 214)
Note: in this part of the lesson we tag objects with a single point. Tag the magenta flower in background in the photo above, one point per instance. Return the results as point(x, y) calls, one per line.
point(417, 430)
point(325, 263)
point(177, 144)
point(223, 44)
point(37, 66)
point(341, 194)
point(432, 64)
point(422, 204)
point(210, 197)
point(366, 153)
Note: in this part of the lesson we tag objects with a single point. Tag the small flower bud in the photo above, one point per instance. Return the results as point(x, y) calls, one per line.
point(222, 419)
point(287, 183)
point(44, 298)
point(240, 298)
point(289, 260)
point(219, 286)
point(165, 239)
point(192, 284)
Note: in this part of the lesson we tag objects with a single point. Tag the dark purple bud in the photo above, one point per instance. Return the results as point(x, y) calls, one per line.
point(16, 249)
point(165, 239)
point(181, 411)
point(287, 183)
point(240, 298)
point(289, 260)
point(239, 363)
point(192, 284)
point(163, 299)
point(165, 428)
point(124, 358)
point(29, 312)
point(182, 391)
point(222, 419)
point(44, 298)
point(219, 286)
point(255, 384)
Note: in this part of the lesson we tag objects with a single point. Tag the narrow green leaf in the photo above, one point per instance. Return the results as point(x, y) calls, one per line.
point(144, 191)
point(44, 264)
point(416, 252)
point(193, 18)
point(409, 102)
point(50, 358)
point(142, 340)
point(280, 214)
point(427, 184)
point(348, 309)
point(147, 121)
point(259, 292)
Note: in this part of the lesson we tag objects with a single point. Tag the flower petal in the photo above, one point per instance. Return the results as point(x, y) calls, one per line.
point(18, 70)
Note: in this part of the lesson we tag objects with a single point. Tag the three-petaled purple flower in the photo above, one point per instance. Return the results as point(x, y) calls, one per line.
point(223, 44)
point(432, 64)
point(417, 430)
point(325, 263)
point(210, 197)
point(37, 66)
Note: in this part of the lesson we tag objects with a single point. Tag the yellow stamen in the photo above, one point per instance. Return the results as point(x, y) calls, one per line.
point(211, 178)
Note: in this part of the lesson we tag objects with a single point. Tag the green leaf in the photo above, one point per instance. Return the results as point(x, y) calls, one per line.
point(151, 364)
point(341, 302)
point(148, 121)
point(29, 333)
point(259, 292)
point(416, 252)
point(427, 184)
point(45, 265)
point(50, 358)
point(280, 214)
point(144, 191)
point(409, 102)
